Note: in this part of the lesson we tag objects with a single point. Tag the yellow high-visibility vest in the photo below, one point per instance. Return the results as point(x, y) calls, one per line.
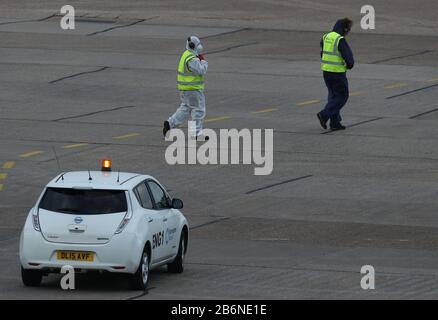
point(186, 79)
point(332, 60)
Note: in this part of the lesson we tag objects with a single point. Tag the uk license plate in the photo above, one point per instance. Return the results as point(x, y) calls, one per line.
point(75, 255)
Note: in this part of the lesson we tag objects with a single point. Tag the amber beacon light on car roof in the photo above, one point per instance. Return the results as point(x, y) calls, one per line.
point(106, 165)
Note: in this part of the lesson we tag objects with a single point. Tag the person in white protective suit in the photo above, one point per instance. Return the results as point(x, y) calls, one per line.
point(192, 68)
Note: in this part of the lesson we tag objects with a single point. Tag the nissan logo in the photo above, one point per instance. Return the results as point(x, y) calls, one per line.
point(78, 220)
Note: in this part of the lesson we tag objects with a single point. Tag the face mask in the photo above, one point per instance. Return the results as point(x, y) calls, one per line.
point(199, 48)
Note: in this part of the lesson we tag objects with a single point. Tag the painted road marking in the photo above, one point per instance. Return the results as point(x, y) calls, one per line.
point(30, 154)
point(3, 176)
point(396, 85)
point(76, 145)
point(217, 119)
point(264, 110)
point(356, 93)
point(8, 165)
point(307, 102)
point(432, 80)
point(126, 136)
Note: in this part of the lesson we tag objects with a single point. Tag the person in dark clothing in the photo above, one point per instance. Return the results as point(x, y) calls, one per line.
point(336, 59)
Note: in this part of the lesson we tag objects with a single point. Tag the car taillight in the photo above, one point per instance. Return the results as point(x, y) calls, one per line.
point(127, 216)
point(36, 220)
point(124, 222)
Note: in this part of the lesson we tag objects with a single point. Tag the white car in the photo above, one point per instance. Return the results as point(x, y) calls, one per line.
point(107, 221)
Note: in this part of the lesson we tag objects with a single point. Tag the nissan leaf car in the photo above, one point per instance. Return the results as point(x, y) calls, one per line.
point(103, 220)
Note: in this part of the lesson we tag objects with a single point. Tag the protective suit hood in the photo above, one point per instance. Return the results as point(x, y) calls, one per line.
point(194, 44)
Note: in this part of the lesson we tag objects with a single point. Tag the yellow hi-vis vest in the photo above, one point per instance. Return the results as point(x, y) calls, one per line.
point(332, 60)
point(186, 79)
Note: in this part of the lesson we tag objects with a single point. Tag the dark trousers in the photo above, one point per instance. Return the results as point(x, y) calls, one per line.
point(337, 85)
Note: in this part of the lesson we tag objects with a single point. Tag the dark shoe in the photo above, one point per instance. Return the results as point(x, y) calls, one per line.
point(322, 122)
point(202, 138)
point(166, 127)
point(339, 127)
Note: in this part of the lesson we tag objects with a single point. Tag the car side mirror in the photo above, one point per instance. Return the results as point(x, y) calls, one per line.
point(177, 204)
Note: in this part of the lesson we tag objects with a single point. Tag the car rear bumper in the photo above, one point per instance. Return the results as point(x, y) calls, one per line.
point(121, 254)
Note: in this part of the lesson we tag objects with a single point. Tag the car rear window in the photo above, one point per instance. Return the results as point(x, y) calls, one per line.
point(75, 201)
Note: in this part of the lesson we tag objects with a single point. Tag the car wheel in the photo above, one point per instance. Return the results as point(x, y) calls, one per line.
point(177, 266)
point(31, 278)
point(139, 280)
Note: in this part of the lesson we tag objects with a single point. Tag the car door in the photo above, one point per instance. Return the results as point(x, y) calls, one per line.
point(168, 216)
point(153, 219)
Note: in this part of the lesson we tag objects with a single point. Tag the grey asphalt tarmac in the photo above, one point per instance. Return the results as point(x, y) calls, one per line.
point(333, 203)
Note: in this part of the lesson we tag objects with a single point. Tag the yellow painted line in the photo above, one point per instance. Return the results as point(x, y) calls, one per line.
point(432, 80)
point(126, 136)
point(396, 85)
point(307, 102)
point(3, 176)
point(8, 165)
point(356, 93)
point(1, 187)
point(30, 154)
point(76, 145)
point(217, 119)
point(264, 110)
